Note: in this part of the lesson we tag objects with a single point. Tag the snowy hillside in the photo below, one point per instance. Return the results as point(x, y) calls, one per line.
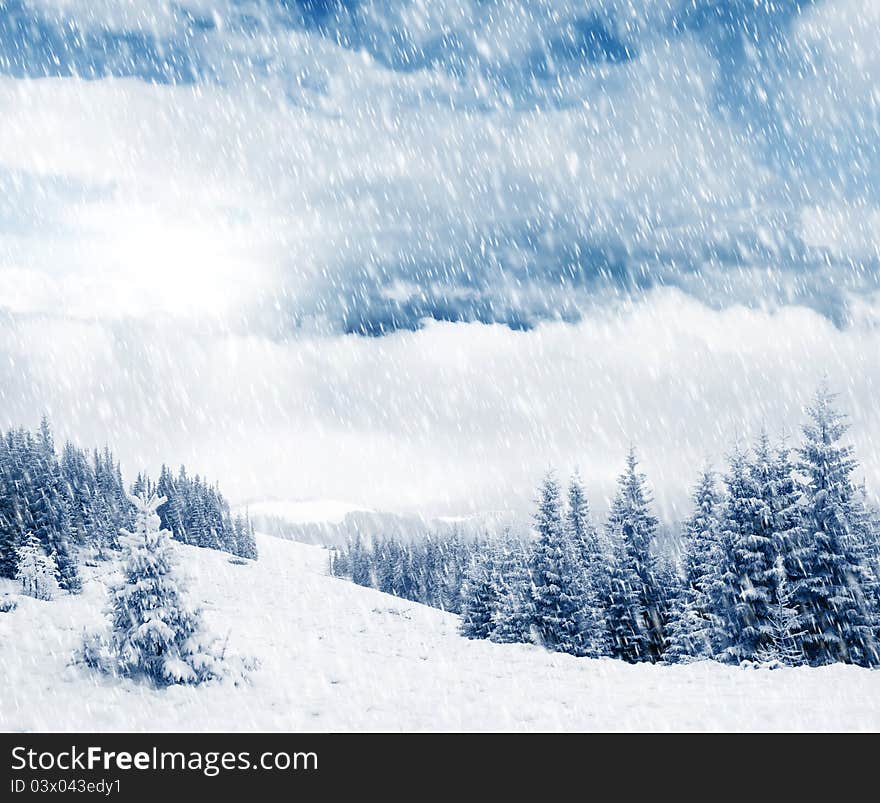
point(335, 656)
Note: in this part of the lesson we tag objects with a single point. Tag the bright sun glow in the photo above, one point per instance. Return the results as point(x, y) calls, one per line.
point(155, 263)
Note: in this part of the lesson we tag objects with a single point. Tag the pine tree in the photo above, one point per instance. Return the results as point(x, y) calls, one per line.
point(745, 523)
point(401, 572)
point(513, 588)
point(78, 483)
point(870, 558)
point(635, 608)
point(782, 645)
point(670, 597)
point(104, 534)
point(690, 628)
point(556, 581)
point(590, 570)
point(721, 585)
point(155, 633)
point(359, 563)
point(835, 616)
point(171, 513)
point(769, 532)
point(48, 513)
point(384, 567)
point(625, 616)
point(480, 597)
point(36, 571)
point(456, 558)
point(10, 515)
point(339, 562)
point(247, 542)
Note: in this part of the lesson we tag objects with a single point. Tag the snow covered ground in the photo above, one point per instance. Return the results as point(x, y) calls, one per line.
point(335, 656)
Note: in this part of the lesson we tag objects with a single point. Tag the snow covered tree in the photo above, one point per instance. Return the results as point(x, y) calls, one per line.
point(748, 524)
point(625, 616)
point(557, 583)
point(690, 628)
point(635, 608)
point(339, 562)
point(512, 586)
point(385, 566)
point(245, 544)
point(36, 571)
point(870, 557)
point(480, 598)
point(155, 632)
point(455, 562)
point(359, 562)
point(591, 570)
point(402, 572)
point(721, 585)
point(172, 514)
point(836, 619)
point(48, 511)
point(781, 645)
point(10, 504)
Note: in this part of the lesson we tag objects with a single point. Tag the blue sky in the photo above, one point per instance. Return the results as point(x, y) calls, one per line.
point(184, 183)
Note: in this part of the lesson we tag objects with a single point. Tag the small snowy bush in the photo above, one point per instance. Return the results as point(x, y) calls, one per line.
point(37, 571)
point(7, 604)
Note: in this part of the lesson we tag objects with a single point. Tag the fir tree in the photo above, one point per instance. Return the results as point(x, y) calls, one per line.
point(690, 628)
point(635, 608)
point(513, 588)
point(359, 563)
point(402, 572)
point(835, 616)
point(155, 633)
point(745, 523)
point(247, 542)
point(10, 514)
point(721, 586)
point(590, 570)
point(625, 615)
point(384, 567)
point(782, 645)
point(480, 597)
point(556, 582)
point(172, 511)
point(49, 515)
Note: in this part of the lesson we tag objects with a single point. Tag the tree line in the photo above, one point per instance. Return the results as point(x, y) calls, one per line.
point(57, 510)
point(779, 564)
point(197, 513)
point(431, 571)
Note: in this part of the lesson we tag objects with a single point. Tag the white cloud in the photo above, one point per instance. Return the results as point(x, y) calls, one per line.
point(852, 230)
point(839, 40)
point(229, 196)
point(450, 418)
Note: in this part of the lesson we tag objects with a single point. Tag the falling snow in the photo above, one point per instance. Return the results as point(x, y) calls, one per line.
point(370, 269)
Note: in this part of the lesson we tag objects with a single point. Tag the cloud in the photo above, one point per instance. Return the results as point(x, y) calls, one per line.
point(300, 162)
point(453, 417)
point(325, 216)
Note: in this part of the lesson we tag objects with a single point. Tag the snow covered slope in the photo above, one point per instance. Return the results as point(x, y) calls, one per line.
point(339, 657)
